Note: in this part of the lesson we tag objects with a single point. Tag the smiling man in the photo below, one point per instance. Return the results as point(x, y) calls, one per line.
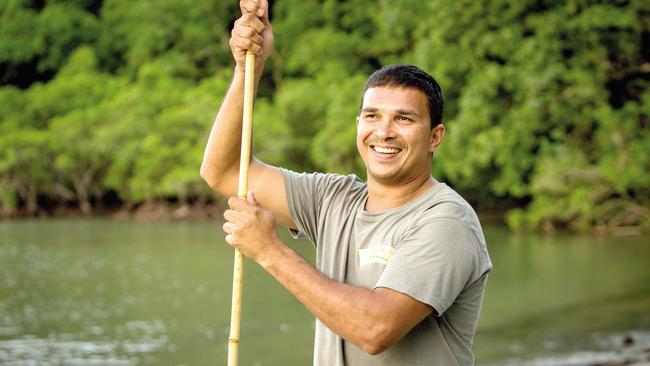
point(401, 261)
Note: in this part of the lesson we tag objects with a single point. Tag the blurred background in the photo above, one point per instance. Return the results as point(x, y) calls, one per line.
point(111, 251)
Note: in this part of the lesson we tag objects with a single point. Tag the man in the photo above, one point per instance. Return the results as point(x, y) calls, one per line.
point(401, 259)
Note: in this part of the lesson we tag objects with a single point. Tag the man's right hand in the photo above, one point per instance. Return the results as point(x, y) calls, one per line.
point(252, 32)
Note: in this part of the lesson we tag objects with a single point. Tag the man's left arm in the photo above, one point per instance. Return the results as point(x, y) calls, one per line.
point(374, 320)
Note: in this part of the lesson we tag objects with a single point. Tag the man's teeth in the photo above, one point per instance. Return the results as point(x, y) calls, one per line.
point(386, 150)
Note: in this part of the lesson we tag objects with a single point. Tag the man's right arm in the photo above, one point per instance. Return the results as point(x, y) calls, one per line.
point(220, 167)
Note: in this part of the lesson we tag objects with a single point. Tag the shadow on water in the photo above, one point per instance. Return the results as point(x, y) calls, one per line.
point(104, 292)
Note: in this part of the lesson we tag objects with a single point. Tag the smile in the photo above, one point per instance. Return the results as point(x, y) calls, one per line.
point(386, 149)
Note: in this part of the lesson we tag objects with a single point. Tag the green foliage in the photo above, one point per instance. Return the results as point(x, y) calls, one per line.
point(47, 36)
point(25, 158)
point(16, 45)
point(546, 102)
point(185, 33)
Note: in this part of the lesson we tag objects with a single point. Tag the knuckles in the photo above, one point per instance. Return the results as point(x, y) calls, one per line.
point(248, 32)
point(249, 20)
point(243, 216)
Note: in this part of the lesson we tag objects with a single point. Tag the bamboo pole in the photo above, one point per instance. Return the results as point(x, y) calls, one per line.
point(242, 191)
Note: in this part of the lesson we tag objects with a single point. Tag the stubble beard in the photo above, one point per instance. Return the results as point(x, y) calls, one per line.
point(396, 175)
point(393, 176)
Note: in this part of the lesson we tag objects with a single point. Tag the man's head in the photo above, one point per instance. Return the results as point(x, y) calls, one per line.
point(399, 126)
point(409, 76)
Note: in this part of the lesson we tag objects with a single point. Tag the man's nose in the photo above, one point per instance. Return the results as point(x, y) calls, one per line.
point(385, 128)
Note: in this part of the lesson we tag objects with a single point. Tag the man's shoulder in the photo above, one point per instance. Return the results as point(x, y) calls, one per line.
point(331, 183)
point(448, 215)
point(445, 206)
point(444, 201)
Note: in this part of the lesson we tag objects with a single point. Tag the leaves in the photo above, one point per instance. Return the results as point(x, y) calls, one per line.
point(546, 102)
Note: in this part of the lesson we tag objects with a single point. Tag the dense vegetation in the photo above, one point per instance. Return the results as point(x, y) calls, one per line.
point(547, 101)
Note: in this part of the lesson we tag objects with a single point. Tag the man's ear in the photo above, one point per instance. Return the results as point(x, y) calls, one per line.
point(437, 134)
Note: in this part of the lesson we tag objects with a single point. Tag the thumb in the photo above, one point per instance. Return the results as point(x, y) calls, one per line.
point(250, 197)
point(263, 11)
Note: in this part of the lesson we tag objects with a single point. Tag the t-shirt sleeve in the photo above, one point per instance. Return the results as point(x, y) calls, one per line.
point(433, 263)
point(310, 195)
point(302, 198)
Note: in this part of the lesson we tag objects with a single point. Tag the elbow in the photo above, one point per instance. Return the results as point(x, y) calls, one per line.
point(373, 350)
point(377, 339)
point(205, 174)
point(223, 182)
point(209, 178)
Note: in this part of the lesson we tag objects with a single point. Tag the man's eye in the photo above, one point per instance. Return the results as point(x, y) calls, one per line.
point(403, 118)
point(370, 115)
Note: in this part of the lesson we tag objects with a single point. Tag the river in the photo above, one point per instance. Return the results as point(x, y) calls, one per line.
point(119, 292)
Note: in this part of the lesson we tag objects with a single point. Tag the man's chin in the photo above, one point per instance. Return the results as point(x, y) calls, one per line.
point(388, 177)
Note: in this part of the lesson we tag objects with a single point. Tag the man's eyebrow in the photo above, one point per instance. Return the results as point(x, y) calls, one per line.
point(401, 112)
point(411, 112)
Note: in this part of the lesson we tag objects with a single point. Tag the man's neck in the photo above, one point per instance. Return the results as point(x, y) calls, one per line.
point(382, 197)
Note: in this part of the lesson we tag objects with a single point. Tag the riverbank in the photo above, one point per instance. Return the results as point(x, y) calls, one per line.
point(166, 211)
point(150, 211)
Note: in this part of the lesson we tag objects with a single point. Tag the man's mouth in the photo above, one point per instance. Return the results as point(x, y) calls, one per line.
point(388, 150)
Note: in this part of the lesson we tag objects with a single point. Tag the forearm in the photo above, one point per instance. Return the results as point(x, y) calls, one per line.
point(220, 167)
point(372, 319)
point(354, 313)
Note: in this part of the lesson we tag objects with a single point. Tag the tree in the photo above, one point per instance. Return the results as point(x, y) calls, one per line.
point(25, 160)
point(546, 102)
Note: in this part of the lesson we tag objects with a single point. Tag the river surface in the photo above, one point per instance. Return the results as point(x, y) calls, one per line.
point(112, 292)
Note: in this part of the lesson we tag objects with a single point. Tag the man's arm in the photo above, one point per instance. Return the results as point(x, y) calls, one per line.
point(220, 167)
point(374, 320)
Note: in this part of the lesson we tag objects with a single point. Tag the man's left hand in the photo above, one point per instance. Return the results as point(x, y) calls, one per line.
point(250, 228)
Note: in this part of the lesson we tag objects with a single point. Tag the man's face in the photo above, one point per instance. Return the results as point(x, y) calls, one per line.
point(394, 135)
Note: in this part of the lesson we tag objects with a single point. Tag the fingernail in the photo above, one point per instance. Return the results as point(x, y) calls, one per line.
point(260, 12)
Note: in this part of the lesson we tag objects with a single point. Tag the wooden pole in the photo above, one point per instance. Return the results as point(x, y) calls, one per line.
point(238, 270)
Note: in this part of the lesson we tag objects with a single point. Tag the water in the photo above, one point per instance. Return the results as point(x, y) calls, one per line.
point(106, 292)
point(563, 300)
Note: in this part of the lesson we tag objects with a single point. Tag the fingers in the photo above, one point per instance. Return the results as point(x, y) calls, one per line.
point(240, 47)
point(259, 8)
point(230, 239)
point(263, 13)
point(243, 45)
point(237, 218)
point(250, 20)
point(252, 7)
point(238, 204)
point(232, 230)
point(229, 228)
point(246, 39)
point(246, 35)
point(233, 216)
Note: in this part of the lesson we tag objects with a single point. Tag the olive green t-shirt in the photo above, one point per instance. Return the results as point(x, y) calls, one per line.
point(431, 249)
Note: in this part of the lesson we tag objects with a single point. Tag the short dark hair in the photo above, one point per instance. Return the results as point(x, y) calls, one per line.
point(410, 76)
